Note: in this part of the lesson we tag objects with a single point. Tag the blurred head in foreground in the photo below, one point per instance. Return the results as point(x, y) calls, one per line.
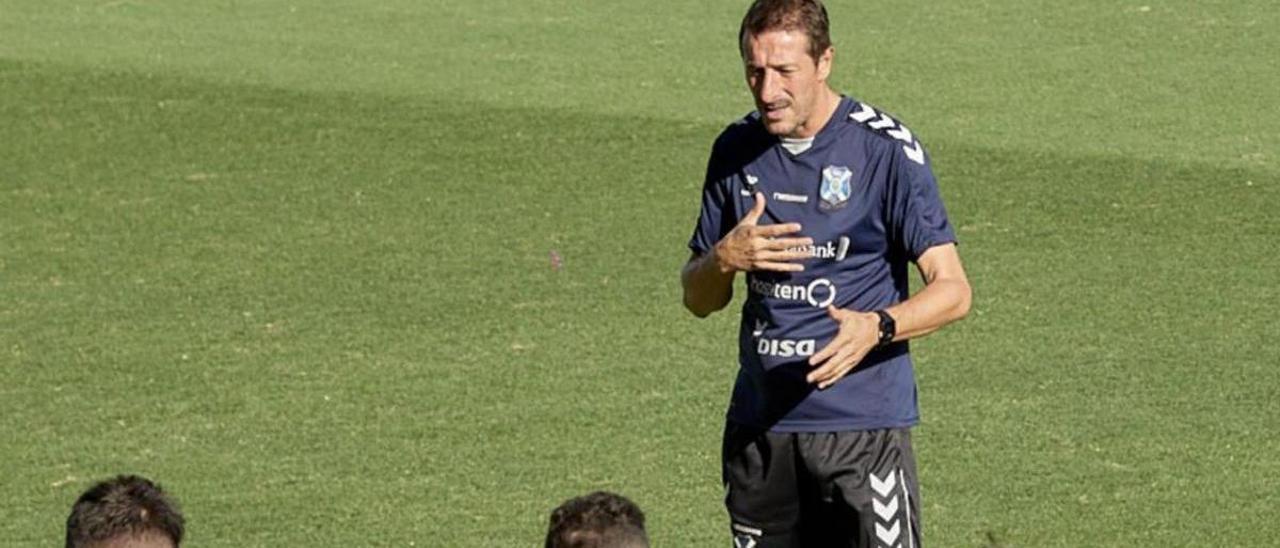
point(125, 512)
point(598, 520)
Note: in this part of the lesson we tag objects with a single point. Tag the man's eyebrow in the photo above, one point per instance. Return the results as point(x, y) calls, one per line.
point(774, 66)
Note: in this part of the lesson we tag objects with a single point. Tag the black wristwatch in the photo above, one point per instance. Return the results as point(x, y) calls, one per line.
point(888, 329)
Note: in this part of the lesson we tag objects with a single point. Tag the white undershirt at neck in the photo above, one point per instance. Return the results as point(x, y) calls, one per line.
point(796, 146)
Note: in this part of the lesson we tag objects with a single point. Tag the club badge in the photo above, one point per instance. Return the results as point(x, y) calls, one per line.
point(836, 187)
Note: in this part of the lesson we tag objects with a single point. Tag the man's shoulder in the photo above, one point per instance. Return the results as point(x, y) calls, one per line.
point(744, 131)
point(738, 143)
point(885, 130)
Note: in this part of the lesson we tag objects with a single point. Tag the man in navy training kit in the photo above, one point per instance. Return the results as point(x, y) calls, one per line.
point(822, 201)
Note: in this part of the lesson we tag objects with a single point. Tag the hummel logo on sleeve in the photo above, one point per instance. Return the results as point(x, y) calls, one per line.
point(882, 123)
point(752, 180)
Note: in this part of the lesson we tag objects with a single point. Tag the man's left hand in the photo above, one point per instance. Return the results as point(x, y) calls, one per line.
point(859, 333)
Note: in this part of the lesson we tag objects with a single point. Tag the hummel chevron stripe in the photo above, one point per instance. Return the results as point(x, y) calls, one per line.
point(884, 122)
point(863, 115)
point(914, 152)
point(884, 487)
point(912, 147)
point(885, 511)
point(888, 536)
point(902, 134)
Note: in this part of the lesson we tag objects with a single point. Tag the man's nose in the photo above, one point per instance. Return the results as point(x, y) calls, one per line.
point(770, 86)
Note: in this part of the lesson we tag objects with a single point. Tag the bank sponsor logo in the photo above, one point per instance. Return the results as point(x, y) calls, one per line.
point(817, 251)
point(818, 293)
point(829, 250)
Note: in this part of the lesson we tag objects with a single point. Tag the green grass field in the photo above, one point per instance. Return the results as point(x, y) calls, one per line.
point(292, 260)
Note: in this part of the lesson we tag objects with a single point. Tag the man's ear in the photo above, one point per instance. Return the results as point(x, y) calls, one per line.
point(824, 63)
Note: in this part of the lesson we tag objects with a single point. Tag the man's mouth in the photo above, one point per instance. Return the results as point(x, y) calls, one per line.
point(775, 112)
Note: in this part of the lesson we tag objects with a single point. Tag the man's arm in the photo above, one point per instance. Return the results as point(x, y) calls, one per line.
point(707, 287)
point(708, 278)
point(945, 298)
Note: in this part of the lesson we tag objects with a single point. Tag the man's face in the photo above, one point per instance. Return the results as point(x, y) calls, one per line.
point(785, 81)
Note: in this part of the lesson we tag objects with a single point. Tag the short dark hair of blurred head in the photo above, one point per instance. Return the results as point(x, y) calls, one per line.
point(125, 512)
point(809, 16)
point(598, 520)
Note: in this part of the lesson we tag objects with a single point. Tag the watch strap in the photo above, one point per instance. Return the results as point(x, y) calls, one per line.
point(888, 329)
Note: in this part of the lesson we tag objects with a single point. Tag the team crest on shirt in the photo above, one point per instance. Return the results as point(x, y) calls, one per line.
point(836, 187)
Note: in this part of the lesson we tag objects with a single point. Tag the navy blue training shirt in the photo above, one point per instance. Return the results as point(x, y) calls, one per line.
point(865, 194)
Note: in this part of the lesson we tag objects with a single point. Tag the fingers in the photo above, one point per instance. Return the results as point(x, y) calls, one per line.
point(837, 314)
point(778, 256)
point(845, 351)
point(786, 255)
point(753, 216)
point(844, 357)
point(772, 231)
point(779, 267)
point(834, 370)
point(840, 342)
point(829, 350)
point(761, 248)
point(831, 366)
point(788, 243)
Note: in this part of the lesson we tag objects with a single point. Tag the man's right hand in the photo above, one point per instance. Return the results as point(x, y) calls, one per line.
point(751, 247)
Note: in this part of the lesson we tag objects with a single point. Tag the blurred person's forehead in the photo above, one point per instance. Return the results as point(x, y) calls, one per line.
point(144, 540)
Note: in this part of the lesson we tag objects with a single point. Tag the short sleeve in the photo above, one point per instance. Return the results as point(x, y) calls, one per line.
point(716, 217)
point(918, 220)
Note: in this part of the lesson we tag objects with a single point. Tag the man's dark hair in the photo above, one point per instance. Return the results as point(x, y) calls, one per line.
point(128, 506)
point(598, 520)
point(809, 16)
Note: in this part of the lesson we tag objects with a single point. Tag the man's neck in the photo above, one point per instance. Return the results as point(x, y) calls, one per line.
point(824, 108)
